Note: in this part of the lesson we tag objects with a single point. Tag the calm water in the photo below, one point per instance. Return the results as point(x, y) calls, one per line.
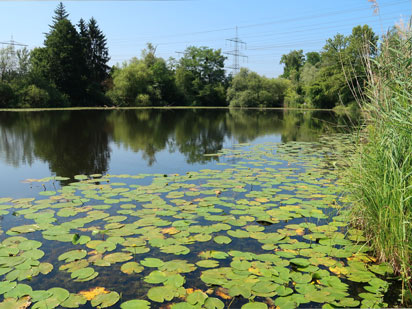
point(259, 220)
point(68, 143)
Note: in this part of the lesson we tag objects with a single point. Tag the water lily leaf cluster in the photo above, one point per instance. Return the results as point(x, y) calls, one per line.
point(267, 228)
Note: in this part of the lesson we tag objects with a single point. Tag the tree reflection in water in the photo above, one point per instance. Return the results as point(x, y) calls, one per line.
point(78, 142)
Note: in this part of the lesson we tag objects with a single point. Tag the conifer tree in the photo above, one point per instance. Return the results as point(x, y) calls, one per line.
point(97, 53)
point(60, 13)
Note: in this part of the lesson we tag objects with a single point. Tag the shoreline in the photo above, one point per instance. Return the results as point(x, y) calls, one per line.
point(159, 108)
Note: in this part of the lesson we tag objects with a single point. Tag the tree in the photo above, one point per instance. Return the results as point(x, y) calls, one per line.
point(62, 61)
point(362, 44)
point(313, 58)
point(248, 89)
point(7, 62)
point(23, 61)
point(200, 76)
point(96, 51)
point(60, 13)
point(308, 74)
point(13, 63)
point(6, 95)
point(143, 82)
point(293, 62)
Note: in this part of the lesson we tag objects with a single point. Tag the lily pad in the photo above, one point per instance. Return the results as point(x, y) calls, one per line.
point(135, 304)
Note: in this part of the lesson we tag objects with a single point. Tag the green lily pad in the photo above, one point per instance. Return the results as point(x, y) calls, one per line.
point(300, 262)
point(117, 257)
point(208, 263)
point(131, 267)
point(135, 304)
point(161, 293)
point(72, 255)
point(74, 301)
point(222, 240)
point(255, 305)
point(197, 298)
point(82, 273)
point(152, 262)
point(156, 277)
point(214, 303)
point(105, 300)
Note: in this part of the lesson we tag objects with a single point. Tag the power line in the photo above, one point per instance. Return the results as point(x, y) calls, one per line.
point(304, 29)
point(306, 17)
point(236, 54)
point(13, 43)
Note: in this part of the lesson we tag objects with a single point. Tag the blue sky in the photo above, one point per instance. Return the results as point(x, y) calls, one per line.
point(270, 28)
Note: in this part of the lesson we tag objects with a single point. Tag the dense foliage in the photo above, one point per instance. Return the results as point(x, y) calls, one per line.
point(252, 90)
point(380, 181)
point(333, 77)
point(148, 81)
point(71, 69)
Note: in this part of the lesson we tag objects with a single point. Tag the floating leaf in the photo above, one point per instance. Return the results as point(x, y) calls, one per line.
point(135, 304)
point(105, 300)
point(208, 263)
point(152, 262)
point(300, 262)
point(117, 257)
point(214, 303)
point(197, 298)
point(222, 240)
point(131, 267)
point(74, 301)
point(156, 277)
point(72, 255)
point(254, 305)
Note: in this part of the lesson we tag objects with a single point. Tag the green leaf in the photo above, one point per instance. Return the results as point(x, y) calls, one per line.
point(135, 304)
point(82, 273)
point(254, 305)
point(73, 255)
point(74, 301)
point(131, 267)
point(156, 277)
point(196, 298)
point(222, 240)
point(208, 263)
point(117, 257)
point(105, 300)
point(300, 262)
point(152, 262)
point(214, 303)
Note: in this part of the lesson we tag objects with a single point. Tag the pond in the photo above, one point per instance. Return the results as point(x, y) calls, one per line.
point(179, 208)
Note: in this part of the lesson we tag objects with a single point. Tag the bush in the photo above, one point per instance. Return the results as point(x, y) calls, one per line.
point(6, 95)
point(32, 96)
point(248, 89)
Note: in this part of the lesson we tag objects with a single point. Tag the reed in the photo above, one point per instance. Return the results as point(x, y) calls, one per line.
point(381, 170)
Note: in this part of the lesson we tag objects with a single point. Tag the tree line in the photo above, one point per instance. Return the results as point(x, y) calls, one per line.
point(71, 69)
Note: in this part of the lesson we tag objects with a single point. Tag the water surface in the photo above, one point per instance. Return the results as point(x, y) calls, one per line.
point(68, 143)
point(180, 208)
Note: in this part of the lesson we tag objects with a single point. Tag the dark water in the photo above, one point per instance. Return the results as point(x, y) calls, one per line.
point(35, 145)
point(68, 143)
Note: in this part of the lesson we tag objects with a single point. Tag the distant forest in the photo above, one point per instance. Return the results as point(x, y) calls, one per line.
point(72, 70)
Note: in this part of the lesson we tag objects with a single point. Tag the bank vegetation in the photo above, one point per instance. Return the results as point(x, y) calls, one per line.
point(381, 173)
point(72, 69)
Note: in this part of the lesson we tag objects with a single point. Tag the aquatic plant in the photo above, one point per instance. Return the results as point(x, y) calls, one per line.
point(381, 182)
point(265, 228)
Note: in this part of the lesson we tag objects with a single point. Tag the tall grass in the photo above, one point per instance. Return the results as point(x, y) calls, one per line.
point(381, 172)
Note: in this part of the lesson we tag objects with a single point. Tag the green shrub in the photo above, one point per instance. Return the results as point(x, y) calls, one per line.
point(248, 89)
point(6, 95)
point(33, 96)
